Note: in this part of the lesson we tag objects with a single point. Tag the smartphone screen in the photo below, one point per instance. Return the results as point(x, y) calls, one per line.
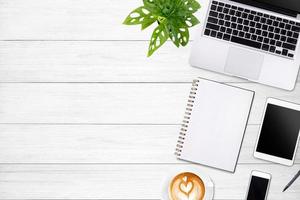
point(258, 188)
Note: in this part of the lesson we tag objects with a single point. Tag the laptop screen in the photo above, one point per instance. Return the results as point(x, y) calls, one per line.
point(286, 7)
point(293, 5)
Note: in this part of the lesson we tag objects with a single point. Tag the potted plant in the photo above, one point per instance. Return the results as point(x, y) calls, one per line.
point(173, 17)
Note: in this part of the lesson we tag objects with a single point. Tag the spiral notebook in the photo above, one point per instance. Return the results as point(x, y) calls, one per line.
point(214, 124)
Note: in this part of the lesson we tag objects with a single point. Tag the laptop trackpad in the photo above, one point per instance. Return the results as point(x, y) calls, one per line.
point(244, 63)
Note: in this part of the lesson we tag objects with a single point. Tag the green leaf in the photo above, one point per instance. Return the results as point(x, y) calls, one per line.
point(158, 38)
point(173, 34)
point(147, 22)
point(191, 5)
point(161, 19)
point(173, 16)
point(179, 35)
point(191, 21)
point(141, 16)
point(183, 36)
point(151, 5)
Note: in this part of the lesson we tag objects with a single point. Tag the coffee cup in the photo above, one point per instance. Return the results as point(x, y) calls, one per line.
point(186, 186)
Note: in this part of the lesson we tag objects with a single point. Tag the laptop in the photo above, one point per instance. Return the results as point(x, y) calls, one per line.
point(253, 39)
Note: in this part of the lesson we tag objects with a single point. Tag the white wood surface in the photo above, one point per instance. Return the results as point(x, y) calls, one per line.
point(85, 115)
point(112, 103)
point(126, 181)
point(69, 20)
point(96, 61)
point(25, 143)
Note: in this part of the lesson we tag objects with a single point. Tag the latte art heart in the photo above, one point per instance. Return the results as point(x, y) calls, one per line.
point(186, 186)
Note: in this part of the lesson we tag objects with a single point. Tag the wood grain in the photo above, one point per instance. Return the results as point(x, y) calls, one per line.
point(128, 181)
point(85, 115)
point(70, 20)
point(96, 61)
point(77, 144)
point(112, 103)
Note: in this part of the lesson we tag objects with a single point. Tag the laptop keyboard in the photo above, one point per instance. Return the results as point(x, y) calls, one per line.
point(254, 29)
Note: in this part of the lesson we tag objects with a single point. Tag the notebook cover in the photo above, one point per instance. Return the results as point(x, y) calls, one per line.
point(214, 124)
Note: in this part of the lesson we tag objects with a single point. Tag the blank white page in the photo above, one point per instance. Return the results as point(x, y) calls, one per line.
point(216, 128)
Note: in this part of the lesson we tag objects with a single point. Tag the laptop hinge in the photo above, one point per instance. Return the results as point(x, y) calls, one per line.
point(268, 7)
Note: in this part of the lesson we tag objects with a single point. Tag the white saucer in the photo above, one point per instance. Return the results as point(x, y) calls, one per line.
point(209, 185)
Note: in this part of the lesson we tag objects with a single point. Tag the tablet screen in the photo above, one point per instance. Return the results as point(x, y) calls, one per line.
point(279, 132)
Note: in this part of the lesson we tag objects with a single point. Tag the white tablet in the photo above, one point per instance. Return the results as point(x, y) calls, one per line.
point(279, 132)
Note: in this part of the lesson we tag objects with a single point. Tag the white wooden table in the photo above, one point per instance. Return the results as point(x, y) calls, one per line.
point(85, 115)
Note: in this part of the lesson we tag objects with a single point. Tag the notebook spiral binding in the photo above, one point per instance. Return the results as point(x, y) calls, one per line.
point(186, 119)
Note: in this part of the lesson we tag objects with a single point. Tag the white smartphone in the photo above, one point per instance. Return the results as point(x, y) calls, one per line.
point(258, 186)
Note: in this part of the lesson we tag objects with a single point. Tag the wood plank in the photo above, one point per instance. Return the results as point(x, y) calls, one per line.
point(111, 103)
point(128, 181)
point(100, 144)
point(70, 20)
point(96, 61)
